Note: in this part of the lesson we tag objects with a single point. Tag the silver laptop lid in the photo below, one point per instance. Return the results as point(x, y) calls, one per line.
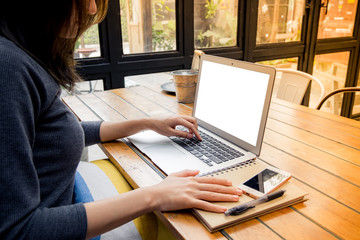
point(232, 100)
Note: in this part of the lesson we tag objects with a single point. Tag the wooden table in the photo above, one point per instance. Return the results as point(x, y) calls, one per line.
point(322, 151)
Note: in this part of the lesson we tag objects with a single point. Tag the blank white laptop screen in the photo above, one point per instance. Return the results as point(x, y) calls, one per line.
point(231, 99)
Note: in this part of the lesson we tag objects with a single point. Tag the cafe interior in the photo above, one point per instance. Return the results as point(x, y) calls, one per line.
point(314, 45)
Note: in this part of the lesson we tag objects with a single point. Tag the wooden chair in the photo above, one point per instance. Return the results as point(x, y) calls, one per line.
point(196, 59)
point(339, 90)
point(294, 83)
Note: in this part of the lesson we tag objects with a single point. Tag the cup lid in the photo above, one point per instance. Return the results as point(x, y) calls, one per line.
point(187, 72)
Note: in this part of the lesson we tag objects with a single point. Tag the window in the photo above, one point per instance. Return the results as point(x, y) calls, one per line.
point(215, 23)
point(151, 36)
point(279, 21)
point(88, 45)
point(148, 25)
point(89, 86)
point(85, 87)
point(337, 19)
point(331, 70)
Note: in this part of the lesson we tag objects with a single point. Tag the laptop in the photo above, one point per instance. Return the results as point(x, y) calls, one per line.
point(231, 107)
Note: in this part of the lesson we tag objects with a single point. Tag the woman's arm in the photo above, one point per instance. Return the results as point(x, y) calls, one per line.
point(165, 126)
point(178, 191)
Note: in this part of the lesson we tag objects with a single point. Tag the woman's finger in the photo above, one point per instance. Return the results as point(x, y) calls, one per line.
point(220, 189)
point(207, 206)
point(179, 133)
point(216, 197)
point(214, 180)
point(191, 124)
point(186, 173)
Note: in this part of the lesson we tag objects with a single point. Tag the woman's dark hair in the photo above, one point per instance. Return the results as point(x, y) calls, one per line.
point(39, 27)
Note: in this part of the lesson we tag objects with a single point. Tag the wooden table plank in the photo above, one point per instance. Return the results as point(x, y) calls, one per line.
point(286, 222)
point(308, 138)
point(315, 157)
point(329, 195)
point(252, 229)
point(169, 103)
point(334, 186)
point(135, 169)
point(345, 137)
point(148, 107)
point(294, 109)
point(184, 225)
point(102, 110)
point(330, 214)
point(80, 109)
point(121, 106)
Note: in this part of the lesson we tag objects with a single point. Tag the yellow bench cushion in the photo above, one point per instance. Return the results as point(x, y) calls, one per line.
point(100, 179)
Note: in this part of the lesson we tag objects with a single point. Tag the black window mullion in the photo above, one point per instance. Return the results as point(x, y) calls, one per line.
point(250, 29)
point(353, 71)
point(313, 11)
point(186, 38)
point(349, 99)
point(115, 49)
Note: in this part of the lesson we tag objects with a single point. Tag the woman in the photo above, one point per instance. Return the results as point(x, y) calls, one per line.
point(41, 141)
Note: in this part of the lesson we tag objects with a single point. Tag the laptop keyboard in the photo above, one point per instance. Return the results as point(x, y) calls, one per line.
point(210, 150)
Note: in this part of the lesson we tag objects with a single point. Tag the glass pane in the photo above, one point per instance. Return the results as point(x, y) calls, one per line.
point(85, 87)
point(153, 80)
point(337, 19)
point(88, 45)
point(89, 86)
point(215, 23)
point(148, 26)
point(279, 21)
point(281, 63)
point(356, 107)
point(331, 70)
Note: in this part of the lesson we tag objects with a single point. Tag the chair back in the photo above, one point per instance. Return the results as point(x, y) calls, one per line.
point(339, 90)
point(196, 59)
point(293, 85)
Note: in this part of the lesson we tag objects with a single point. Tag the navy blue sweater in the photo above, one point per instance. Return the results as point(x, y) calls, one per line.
point(41, 142)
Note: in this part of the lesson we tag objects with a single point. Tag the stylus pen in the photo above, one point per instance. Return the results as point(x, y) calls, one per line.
point(246, 206)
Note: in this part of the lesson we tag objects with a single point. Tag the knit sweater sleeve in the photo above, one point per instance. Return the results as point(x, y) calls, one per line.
point(91, 131)
point(22, 213)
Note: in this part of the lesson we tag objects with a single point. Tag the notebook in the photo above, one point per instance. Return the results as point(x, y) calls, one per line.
point(231, 106)
point(217, 221)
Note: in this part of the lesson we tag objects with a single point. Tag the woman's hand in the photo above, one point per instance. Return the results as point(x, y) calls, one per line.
point(166, 126)
point(178, 191)
point(183, 190)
